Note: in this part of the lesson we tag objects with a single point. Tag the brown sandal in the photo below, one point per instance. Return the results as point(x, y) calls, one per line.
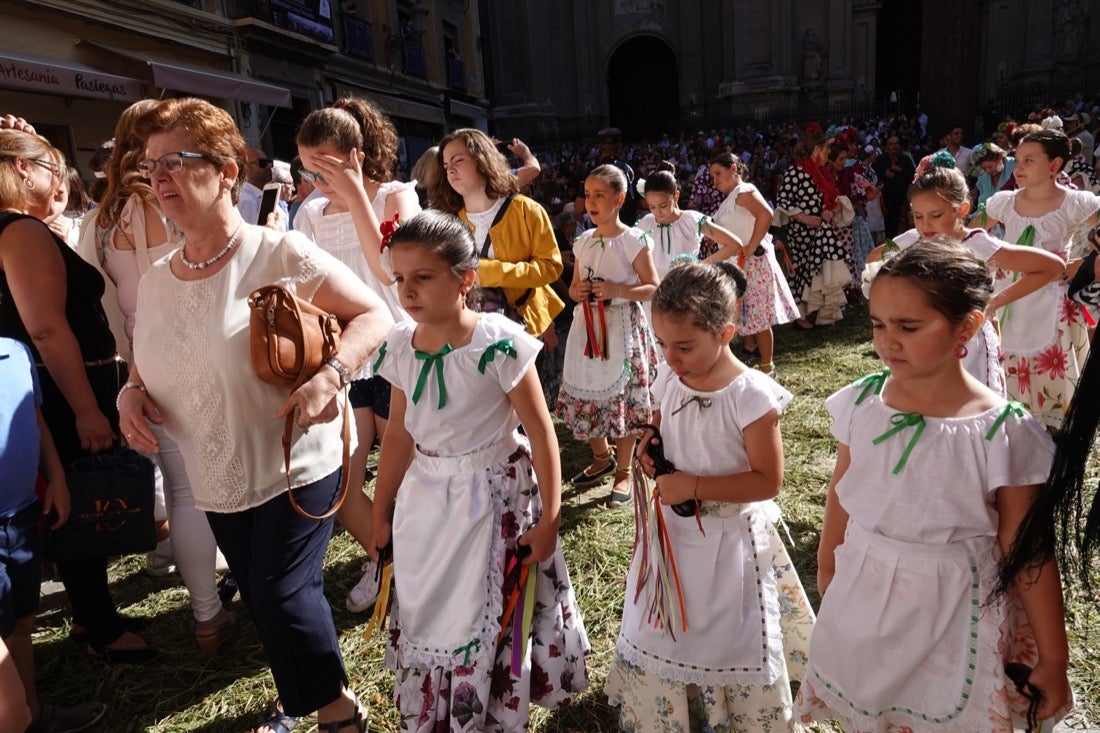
point(358, 721)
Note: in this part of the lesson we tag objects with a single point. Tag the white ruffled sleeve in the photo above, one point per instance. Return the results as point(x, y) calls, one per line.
point(495, 356)
point(1000, 204)
point(1020, 452)
point(841, 406)
point(659, 388)
point(760, 395)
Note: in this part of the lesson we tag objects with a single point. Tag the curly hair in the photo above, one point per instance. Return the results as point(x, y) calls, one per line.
point(490, 162)
point(123, 176)
point(354, 124)
point(213, 132)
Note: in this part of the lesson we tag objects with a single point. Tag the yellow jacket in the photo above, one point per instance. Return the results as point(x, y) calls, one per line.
point(526, 258)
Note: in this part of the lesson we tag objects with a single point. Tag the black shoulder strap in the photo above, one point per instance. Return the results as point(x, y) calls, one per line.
point(496, 220)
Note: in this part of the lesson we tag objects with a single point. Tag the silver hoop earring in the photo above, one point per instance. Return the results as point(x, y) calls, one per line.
point(29, 183)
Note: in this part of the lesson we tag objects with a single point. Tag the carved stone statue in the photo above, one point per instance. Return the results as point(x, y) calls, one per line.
point(813, 57)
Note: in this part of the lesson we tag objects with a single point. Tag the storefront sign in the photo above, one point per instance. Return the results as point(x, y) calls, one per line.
point(66, 78)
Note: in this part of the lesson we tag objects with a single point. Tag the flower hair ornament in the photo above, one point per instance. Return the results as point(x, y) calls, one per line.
point(387, 229)
point(813, 129)
point(942, 159)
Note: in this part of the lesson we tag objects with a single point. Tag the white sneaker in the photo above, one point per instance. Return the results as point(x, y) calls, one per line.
point(363, 595)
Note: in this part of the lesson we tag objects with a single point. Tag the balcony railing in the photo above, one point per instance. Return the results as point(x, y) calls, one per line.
point(405, 52)
point(358, 39)
point(292, 16)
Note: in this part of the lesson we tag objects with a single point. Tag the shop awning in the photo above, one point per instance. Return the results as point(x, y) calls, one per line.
point(206, 82)
point(69, 78)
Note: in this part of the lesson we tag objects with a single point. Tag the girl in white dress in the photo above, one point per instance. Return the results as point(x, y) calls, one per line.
point(610, 358)
point(939, 201)
point(460, 480)
point(675, 231)
point(348, 152)
point(1045, 335)
point(768, 300)
point(748, 618)
point(934, 474)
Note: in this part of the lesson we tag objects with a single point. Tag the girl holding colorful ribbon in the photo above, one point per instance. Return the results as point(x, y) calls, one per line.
point(473, 639)
point(740, 622)
point(934, 474)
point(939, 202)
point(610, 358)
point(1045, 335)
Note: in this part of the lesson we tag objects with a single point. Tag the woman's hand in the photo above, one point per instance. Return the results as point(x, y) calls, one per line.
point(135, 411)
point(343, 174)
point(56, 498)
point(542, 539)
point(676, 488)
point(1051, 679)
point(580, 290)
point(94, 430)
point(605, 289)
point(810, 220)
point(315, 401)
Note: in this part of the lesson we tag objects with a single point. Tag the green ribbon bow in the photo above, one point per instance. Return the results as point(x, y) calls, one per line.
point(901, 421)
point(504, 346)
point(1012, 408)
point(665, 232)
point(473, 646)
point(381, 356)
point(983, 215)
point(432, 360)
point(872, 384)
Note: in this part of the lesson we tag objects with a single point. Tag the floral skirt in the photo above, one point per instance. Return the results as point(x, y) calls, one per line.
point(649, 702)
point(621, 414)
point(475, 690)
point(768, 300)
point(1045, 382)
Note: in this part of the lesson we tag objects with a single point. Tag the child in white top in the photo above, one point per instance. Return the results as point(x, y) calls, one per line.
point(460, 480)
point(675, 231)
point(610, 358)
point(939, 201)
point(934, 474)
point(748, 619)
point(348, 151)
point(1045, 335)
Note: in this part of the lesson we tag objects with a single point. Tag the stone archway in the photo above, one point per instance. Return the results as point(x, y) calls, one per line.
point(643, 88)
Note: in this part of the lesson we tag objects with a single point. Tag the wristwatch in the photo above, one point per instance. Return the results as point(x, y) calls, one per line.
point(343, 371)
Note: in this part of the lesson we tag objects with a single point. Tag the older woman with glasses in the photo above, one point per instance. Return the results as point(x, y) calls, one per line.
point(192, 371)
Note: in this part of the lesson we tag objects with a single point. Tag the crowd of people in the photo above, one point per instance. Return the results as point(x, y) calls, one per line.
point(636, 294)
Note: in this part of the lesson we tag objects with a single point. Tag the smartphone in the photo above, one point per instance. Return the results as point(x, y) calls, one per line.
point(268, 202)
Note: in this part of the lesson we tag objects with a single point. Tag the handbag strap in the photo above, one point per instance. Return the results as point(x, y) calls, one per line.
point(345, 478)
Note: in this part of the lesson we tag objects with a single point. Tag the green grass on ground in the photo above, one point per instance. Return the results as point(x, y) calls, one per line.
point(182, 691)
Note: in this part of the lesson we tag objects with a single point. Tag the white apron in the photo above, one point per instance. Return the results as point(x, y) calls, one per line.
point(445, 525)
point(733, 635)
point(1030, 324)
point(595, 378)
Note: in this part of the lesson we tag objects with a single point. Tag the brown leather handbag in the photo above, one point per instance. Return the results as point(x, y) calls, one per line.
point(290, 339)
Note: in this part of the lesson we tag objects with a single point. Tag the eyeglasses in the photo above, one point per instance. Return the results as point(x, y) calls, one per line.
point(261, 162)
point(49, 164)
point(311, 176)
point(170, 162)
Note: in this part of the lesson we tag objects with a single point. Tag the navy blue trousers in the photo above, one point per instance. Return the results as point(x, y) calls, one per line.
point(276, 556)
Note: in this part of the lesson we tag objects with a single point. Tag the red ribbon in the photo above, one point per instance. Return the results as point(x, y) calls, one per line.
point(595, 324)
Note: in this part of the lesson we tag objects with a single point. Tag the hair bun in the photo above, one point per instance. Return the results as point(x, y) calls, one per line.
point(734, 273)
point(666, 165)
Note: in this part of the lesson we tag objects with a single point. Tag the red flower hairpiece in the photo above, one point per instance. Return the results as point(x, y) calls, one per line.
point(387, 228)
point(812, 129)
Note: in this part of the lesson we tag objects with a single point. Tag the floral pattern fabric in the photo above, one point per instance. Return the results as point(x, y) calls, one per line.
point(480, 693)
point(649, 702)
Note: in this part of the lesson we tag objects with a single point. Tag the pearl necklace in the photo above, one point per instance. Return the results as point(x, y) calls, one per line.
point(206, 263)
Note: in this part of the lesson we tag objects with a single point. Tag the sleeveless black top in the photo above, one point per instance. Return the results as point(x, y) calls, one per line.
point(83, 309)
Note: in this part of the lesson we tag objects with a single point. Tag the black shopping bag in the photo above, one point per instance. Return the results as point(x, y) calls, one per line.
point(112, 507)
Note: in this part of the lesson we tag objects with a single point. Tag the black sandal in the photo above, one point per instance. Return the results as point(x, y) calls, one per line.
point(358, 721)
point(276, 719)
